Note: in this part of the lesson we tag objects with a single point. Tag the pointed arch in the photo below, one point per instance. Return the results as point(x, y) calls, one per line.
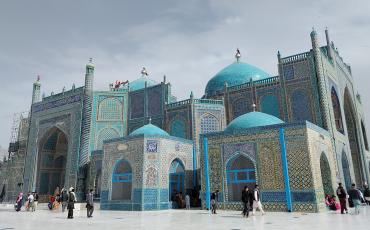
point(326, 175)
point(122, 181)
point(351, 123)
point(240, 172)
point(110, 109)
point(176, 178)
point(106, 134)
point(51, 163)
point(337, 110)
point(209, 123)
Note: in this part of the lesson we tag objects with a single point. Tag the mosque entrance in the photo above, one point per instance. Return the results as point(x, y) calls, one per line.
point(51, 163)
point(240, 171)
point(326, 175)
point(177, 183)
point(353, 138)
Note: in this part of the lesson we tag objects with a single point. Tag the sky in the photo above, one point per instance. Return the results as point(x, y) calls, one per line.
point(188, 41)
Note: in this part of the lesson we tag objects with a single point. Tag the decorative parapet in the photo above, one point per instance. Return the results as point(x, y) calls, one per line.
point(63, 94)
point(208, 101)
point(270, 80)
point(294, 58)
point(195, 101)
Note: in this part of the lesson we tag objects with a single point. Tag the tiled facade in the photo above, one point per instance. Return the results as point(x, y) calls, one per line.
point(150, 158)
point(305, 143)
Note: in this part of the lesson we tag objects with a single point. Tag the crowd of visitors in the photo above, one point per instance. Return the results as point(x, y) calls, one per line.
point(354, 197)
point(59, 198)
point(251, 200)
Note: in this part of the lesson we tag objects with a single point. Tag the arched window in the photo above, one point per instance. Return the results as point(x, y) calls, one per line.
point(336, 110)
point(270, 105)
point(177, 128)
point(300, 106)
point(122, 181)
point(110, 109)
point(364, 136)
point(177, 178)
point(239, 107)
point(106, 134)
point(326, 175)
point(209, 123)
point(240, 172)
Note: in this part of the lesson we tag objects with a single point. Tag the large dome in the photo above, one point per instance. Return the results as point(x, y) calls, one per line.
point(235, 74)
point(140, 83)
point(149, 130)
point(251, 120)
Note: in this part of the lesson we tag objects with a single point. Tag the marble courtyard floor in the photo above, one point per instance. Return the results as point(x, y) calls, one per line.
point(179, 219)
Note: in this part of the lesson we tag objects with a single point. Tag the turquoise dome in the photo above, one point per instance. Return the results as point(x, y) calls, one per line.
point(251, 120)
point(149, 130)
point(235, 74)
point(140, 83)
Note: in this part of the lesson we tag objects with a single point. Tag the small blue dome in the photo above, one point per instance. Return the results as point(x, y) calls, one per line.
point(235, 74)
point(251, 120)
point(140, 83)
point(149, 130)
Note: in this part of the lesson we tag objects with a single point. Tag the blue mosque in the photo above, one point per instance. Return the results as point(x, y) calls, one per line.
point(296, 135)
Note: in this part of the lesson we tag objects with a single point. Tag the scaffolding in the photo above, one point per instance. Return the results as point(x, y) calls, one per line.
point(19, 131)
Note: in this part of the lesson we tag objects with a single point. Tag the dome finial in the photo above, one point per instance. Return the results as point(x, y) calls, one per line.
point(238, 54)
point(144, 72)
point(150, 120)
point(254, 107)
point(38, 77)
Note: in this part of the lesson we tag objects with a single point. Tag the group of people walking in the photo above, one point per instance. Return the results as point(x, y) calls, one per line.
point(354, 197)
point(31, 201)
point(251, 201)
point(66, 199)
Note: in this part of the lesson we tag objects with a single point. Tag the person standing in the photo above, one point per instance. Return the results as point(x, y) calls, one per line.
point(354, 195)
point(35, 201)
point(214, 198)
point(31, 200)
point(64, 199)
point(251, 198)
point(367, 194)
point(342, 195)
point(245, 200)
point(200, 197)
point(71, 202)
point(19, 202)
point(27, 204)
point(90, 203)
point(187, 201)
point(257, 201)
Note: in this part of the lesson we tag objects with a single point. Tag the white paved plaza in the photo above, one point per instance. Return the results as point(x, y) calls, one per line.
point(179, 219)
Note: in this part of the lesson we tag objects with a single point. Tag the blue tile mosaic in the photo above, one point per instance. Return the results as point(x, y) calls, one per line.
point(303, 197)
